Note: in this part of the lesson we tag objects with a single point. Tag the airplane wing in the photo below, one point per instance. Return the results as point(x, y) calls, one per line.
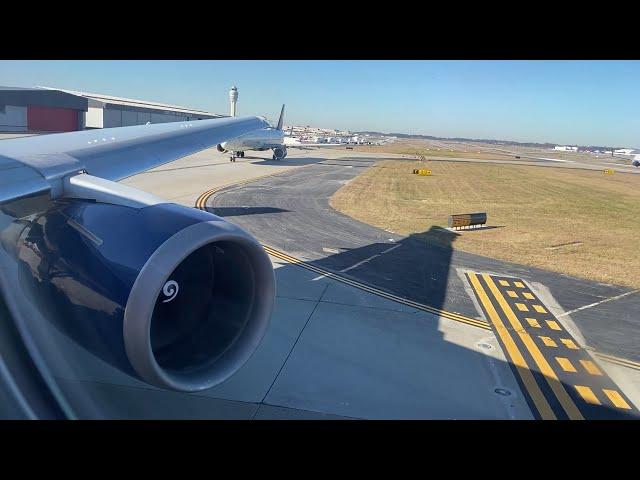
point(173, 296)
point(32, 164)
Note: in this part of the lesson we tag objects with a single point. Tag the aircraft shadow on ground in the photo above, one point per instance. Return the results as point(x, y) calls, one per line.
point(238, 211)
point(186, 167)
point(416, 267)
point(288, 161)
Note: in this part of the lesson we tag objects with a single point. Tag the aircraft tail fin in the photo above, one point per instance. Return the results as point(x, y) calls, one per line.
point(281, 119)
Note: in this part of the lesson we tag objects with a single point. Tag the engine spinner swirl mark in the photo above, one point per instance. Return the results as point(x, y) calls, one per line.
point(170, 290)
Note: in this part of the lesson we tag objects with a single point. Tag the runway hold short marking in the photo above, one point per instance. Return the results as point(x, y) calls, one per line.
point(559, 379)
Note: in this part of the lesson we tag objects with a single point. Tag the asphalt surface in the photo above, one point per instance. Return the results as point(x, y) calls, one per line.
point(291, 212)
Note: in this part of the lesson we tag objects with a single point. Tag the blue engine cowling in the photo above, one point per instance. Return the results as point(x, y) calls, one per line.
point(173, 295)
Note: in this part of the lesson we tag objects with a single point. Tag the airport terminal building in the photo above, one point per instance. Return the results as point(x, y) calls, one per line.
point(44, 110)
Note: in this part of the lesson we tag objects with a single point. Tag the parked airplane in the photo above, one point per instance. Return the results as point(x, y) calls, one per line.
point(172, 295)
point(260, 140)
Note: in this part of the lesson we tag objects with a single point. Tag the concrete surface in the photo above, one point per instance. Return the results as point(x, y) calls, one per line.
point(360, 359)
point(184, 180)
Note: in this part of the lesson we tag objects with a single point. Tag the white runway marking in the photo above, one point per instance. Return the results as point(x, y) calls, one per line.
point(552, 159)
point(597, 303)
point(320, 277)
point(370, 258)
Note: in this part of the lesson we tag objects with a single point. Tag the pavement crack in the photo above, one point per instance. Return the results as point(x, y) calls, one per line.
point(294, 345)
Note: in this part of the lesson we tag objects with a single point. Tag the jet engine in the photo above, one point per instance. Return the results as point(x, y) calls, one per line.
point(279, 152)
point(221, 149)
point(175, 296)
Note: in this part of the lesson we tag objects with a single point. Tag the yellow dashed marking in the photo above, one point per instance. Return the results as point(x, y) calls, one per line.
point(587, 395)
point(566, 365)
point(569, 343)
point(553, 325)
point(590, 367)
point(533, 322)
point(548, 342)
point(539, 309)
point(561, 369)
point(514, 353)
point(541, 362)
point(616, 399)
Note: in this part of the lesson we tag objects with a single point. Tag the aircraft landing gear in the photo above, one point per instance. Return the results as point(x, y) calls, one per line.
point(232, 159)
point(236, 155)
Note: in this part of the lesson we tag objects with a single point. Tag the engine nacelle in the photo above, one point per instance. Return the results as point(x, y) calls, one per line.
point(221, 149)
point(176, 296)
point(279, 152)
point(636, 163)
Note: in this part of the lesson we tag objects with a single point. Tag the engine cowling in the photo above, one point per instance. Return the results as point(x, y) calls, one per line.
point(176, 296)
point(279, 152)
point(221, 149)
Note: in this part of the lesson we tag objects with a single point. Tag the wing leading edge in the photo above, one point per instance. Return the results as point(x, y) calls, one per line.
point(36, 164)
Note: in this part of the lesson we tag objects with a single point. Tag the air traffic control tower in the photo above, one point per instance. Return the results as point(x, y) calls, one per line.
point(233, 99)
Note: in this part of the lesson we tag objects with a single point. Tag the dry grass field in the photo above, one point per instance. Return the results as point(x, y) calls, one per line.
point(582, 223)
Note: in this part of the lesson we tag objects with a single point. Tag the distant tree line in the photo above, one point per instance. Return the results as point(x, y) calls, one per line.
point(484, 140)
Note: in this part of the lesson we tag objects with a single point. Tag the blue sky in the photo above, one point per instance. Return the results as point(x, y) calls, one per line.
point(582, 102)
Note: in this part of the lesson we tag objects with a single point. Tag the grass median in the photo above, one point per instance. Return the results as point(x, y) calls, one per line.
point(578, 222)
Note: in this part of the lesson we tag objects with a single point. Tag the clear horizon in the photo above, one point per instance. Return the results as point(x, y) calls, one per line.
point(560, 102)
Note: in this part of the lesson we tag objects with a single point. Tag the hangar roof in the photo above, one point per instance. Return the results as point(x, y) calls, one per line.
point(100, 100)
point(62, 98)
point(19, 97)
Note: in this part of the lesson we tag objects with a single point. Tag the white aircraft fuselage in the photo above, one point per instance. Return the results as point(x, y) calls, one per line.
point(260, 140)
